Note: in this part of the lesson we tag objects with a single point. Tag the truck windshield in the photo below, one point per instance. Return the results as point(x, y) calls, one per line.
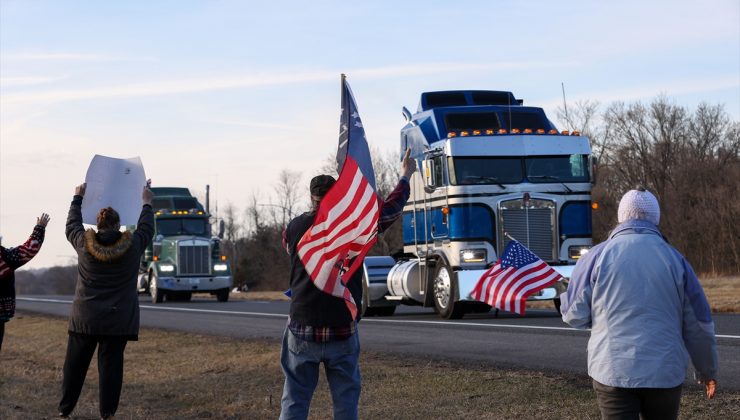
point(172, 227)
point(485, 170)
point(512, 170)
point(544, 169)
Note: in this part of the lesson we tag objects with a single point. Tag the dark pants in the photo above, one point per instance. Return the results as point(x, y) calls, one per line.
point(80, 349)
point(633, 403)
point(2, 333)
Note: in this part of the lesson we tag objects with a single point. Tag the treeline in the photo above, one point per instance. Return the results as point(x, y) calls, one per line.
point(58, 280)
point(689, 158)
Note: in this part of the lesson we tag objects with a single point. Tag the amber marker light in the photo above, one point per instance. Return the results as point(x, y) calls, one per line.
point(527, 131)
point(576, 133)
point(502, 131)
point(464, 134)
point(476, 132)
point(553, 131)
point(451, 134)
point(565, 133)
point(445, 210)
point(489, 132)
point(155, 258)
point(514, 131)
point(595, 205)
point(223, 258)
point(540, 131)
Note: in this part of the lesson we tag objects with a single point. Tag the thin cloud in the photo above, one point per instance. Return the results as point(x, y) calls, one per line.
point(8, 82)
point(258, 80)
point(62, 56)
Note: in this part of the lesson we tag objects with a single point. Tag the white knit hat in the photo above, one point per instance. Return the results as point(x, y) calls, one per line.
point(639, 204)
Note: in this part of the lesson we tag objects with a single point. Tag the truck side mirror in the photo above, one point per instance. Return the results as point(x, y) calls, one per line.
point(594, 168)
point(429, 174)
point(221, 228)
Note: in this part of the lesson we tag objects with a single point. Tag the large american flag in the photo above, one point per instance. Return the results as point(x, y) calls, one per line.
point(515, 276)
point(346, 222)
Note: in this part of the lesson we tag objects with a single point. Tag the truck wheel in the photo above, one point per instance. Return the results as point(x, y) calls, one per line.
point(154, 291)
point(222, 295)
point(385, 310)
point(556, 301)
point(445, 291)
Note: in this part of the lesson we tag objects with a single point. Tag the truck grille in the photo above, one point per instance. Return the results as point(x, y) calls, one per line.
point(533, 226)
point(193, 259)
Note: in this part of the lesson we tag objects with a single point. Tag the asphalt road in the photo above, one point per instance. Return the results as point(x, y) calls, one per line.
point(538, 341)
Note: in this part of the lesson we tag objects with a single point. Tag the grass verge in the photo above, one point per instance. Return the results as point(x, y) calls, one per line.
point(186, 376)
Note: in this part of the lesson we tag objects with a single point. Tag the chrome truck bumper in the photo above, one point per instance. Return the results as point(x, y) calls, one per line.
point(195, 284)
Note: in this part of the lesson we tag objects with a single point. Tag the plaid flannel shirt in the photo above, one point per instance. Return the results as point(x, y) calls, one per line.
point(321, 334)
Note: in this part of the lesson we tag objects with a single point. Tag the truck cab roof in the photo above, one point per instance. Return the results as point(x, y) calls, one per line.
point(174, 198)
point(443, 112)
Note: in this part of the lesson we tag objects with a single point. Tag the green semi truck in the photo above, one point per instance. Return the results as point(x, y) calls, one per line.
point(184, 257)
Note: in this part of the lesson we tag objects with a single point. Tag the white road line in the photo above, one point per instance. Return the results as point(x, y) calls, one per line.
point(364, 320)
point(210, 311)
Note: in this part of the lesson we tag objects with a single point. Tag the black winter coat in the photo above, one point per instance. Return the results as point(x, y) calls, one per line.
point(106, 298)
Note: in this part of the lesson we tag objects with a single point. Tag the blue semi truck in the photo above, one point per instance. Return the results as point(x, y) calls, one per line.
point(491, 169)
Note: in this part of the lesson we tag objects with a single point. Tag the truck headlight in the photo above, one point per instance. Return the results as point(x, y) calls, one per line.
point(166, 268)
point(473, 255)
point(576, 252)
point(220, 267)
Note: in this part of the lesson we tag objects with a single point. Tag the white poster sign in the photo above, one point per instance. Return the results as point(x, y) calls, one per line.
point(116, 183)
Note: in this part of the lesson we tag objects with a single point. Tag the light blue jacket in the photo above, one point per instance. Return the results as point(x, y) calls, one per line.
point(646, 310)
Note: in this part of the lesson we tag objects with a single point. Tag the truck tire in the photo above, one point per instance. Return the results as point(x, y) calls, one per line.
point(556, 301)
point(445, 291)
point(156, 293)
point(222, 295)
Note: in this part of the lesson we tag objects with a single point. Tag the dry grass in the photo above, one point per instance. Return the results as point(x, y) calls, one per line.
point(723, 293)
point(261, 295)
point(175, 375)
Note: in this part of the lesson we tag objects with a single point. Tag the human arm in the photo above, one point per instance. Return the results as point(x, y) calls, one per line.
point(698, 331)
point(74, 229)
point(575, 303)
point(145, 226)
point(17, 256)
point(393, 204)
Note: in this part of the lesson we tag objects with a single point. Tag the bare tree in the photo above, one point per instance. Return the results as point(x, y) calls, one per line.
point(288, 192)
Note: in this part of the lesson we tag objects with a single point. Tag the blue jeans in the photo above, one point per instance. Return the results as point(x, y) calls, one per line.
point(300, 360)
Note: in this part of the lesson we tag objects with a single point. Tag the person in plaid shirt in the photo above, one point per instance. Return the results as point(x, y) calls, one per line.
point(10, 260)
point(320, 327)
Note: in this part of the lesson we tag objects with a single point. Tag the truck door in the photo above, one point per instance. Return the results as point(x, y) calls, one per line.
point(436, 199)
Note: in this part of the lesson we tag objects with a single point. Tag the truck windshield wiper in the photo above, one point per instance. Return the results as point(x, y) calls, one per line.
point(487, 179)
point(551, 177)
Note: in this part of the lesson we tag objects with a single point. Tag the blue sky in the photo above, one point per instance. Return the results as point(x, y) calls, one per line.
point(231, 92)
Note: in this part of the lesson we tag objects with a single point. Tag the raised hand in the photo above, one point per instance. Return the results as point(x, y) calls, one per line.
point(80, 189)
point(147, 195)
point(42, 220)
point(408, 165)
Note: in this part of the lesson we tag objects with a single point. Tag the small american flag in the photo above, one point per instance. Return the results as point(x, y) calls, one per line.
point(346, 222)
point(515, 276)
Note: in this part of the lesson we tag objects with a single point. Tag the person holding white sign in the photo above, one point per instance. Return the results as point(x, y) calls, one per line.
point(105, 311)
